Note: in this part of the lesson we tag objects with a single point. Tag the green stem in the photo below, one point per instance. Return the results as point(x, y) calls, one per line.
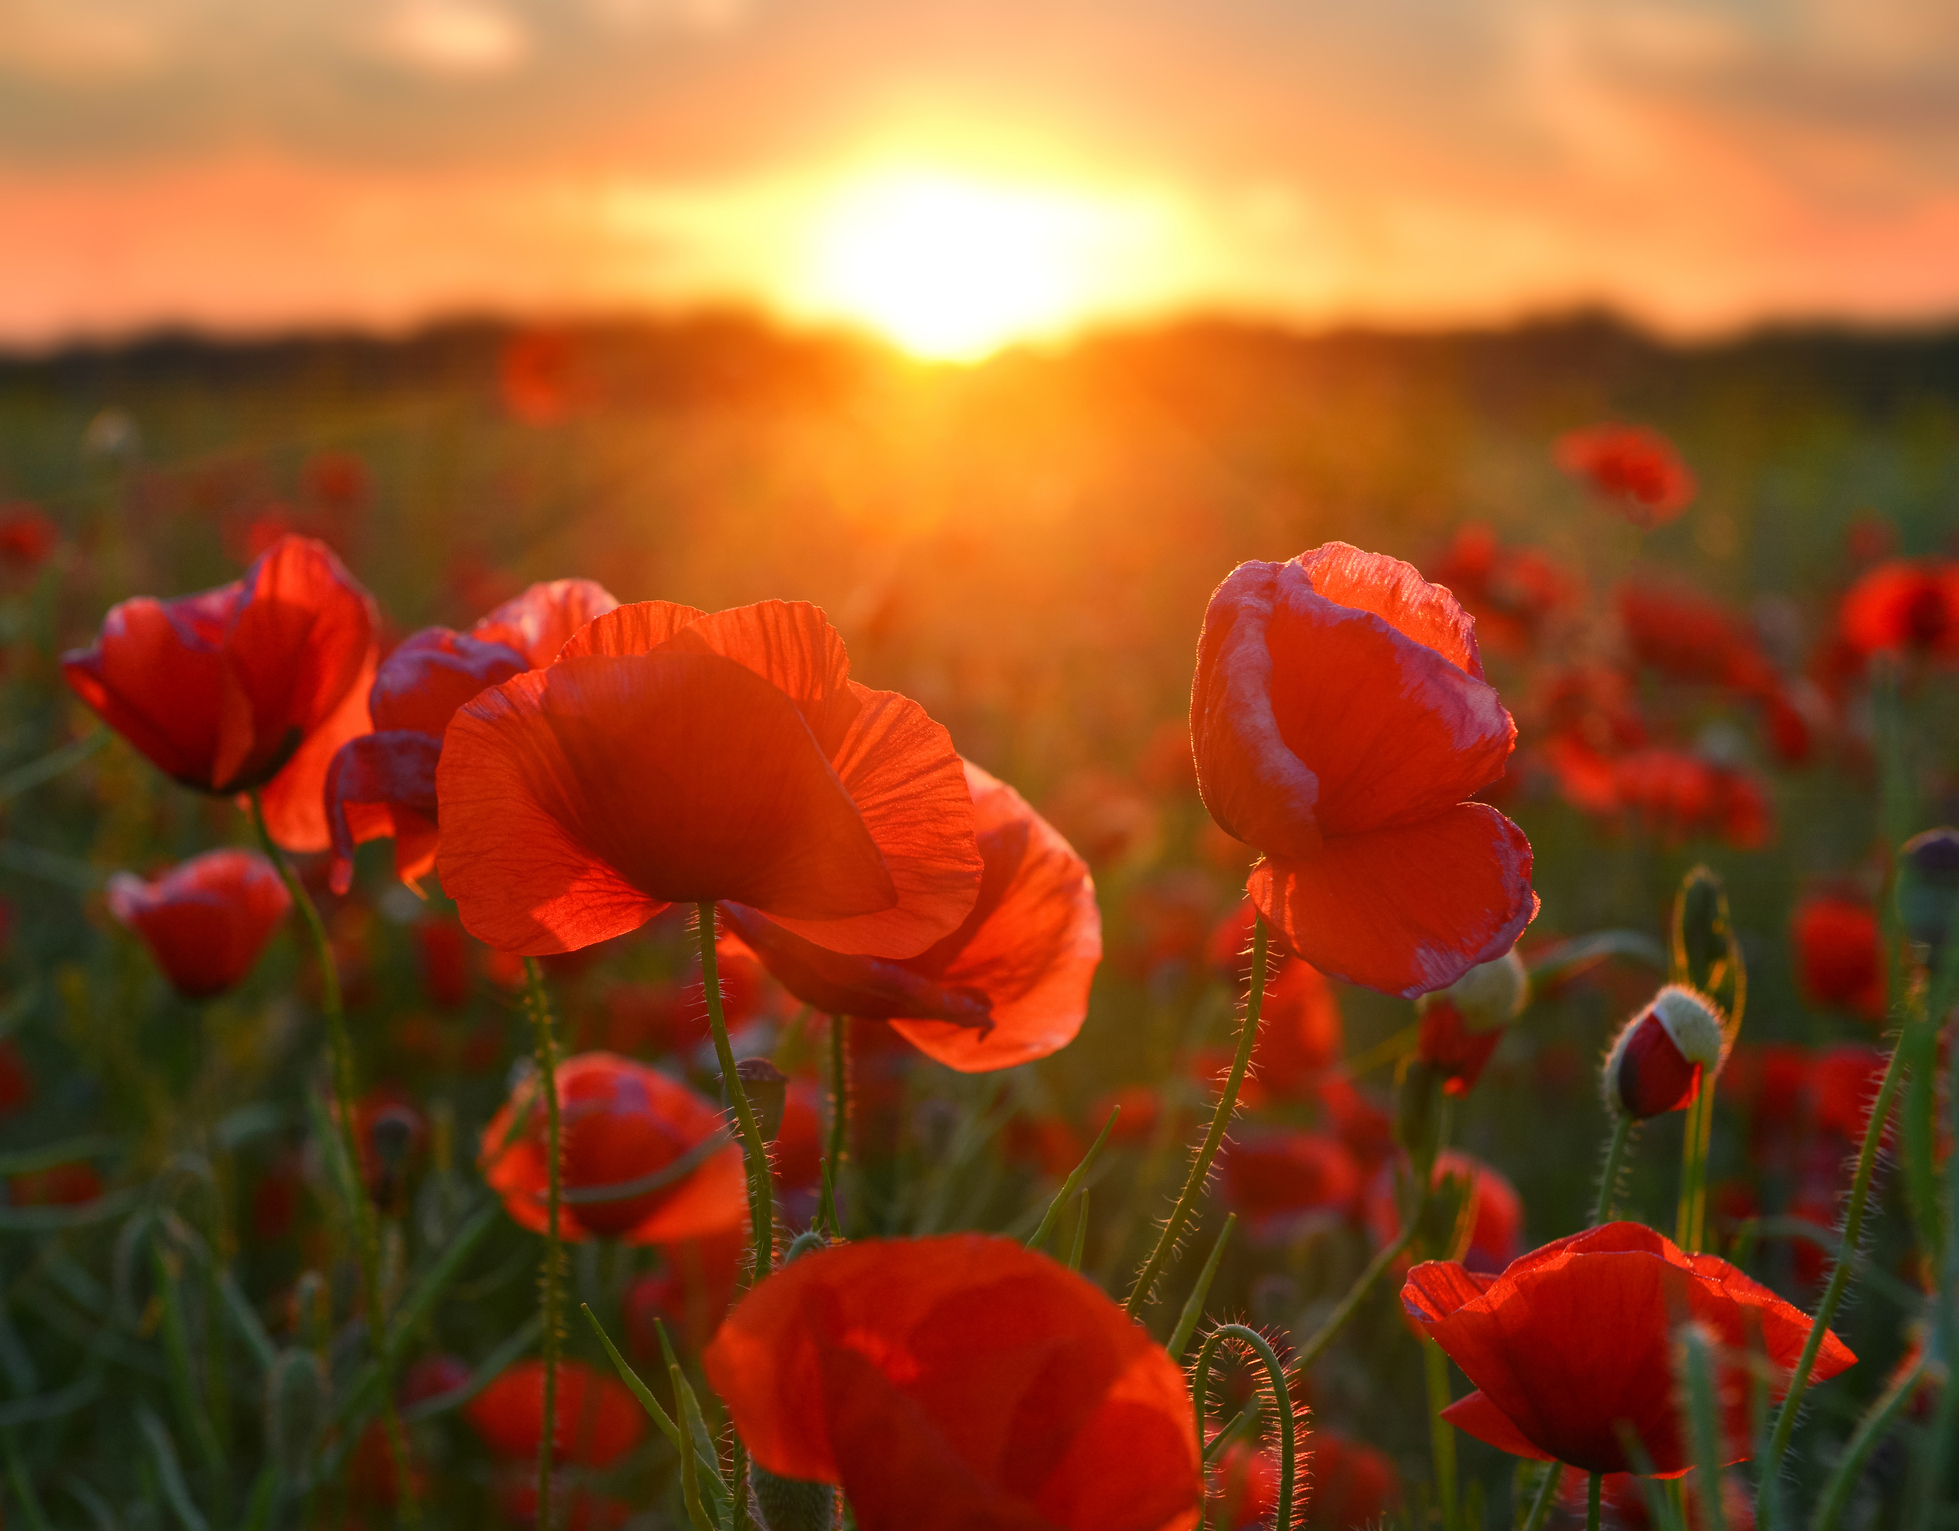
point(761, 1204)
point(1194, 1304)
point(1441, 1434)
point(1593, 1488)
point(1853, 1227)
point(1200, 1168)
point(839, 1114)
point(551, 1276)
point(1275, 1375)
point(1693, 1163)
point(1363, 1284)
point(367, 1243)
point(1547, 1491)
point(1615, 1158)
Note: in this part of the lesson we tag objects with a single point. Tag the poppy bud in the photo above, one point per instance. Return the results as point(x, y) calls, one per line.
point(794, 1504)
point(295, 1410)
point(1705, 954)
point(1462, 1024)
point(1657, 1059)
point(767, 1089)
point(1928, 887)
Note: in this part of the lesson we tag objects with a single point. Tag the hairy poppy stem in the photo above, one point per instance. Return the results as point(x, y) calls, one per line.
point(1615, 1158)
point(1441, 1434)
point(367, 1241)
point(551, 1278)
point(1853, 1228)
point(1200, 1168)
point(761, 1204)
point(1275, 1375)
point(1695, 1139)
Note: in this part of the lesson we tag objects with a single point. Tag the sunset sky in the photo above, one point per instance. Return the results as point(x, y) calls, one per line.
point(958, 172)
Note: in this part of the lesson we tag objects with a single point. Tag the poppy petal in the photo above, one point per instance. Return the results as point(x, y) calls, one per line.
point(392, 768)
point(909, 783)
point(539, 622)
point(638, 628)
point(154, 677)
point(431, 673)
point(579, 800)
point(1475, 1415)
point(839, 983)
point(1396, 593)
point(1405, 910)
point(294, 801)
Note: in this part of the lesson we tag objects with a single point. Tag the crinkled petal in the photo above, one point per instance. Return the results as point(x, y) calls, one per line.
point(579, 800)
point(1396, 593)
point(638, 628)
point(430, 674)
point(539, 622)
point(1405, 910)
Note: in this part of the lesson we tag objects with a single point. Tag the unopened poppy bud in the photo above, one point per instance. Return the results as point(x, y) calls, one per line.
point(1660, 1054)
point(794, 1504)
point(1928, 888)
point(1462, 1024)
point(1705, 953)
point(767, 1089)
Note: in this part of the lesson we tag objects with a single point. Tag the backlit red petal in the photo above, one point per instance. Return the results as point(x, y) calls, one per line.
point(370, 777)
point(577, 801)
point(1405, 910)
point(637, 628)
point(295, 799)
point(431, 673)
point(1396, 593)
point(155, 675)
point(1475, 1415)
point(538, 623)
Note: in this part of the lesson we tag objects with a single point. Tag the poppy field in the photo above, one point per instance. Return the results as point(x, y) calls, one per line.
point(686, 926)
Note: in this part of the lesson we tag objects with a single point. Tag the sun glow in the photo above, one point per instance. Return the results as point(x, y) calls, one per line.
point(952, 267)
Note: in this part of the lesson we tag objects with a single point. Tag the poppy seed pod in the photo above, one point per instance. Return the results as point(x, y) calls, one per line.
point(1928, 887)
point(1658, 1057)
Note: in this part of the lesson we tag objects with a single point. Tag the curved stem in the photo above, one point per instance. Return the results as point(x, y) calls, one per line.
point(367, 1242)
point(551, 1276)
point(761, 1201)
point(1853, 1227)
point(1615, 1158)
point(1275, 1374)
point(1200, 1168)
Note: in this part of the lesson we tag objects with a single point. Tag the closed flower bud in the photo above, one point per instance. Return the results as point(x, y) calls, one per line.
point(1462, 1024)
point(1660, 1054)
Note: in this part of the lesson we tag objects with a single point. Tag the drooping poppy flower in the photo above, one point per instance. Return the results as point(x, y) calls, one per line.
point(1340, 719)
point(1632, 468)
point(382, 784)
point(1495, 1210)
point(1575, 1340)
point(1838, 956)
point(1462, 1024)
point(1658, 1058)
point(1009, 985)
point(251, 686)
point(206, 920)
point(626, 1129)
point(596, 1421)
point(1904, 606)
point(959, 1381)
point(672, 757)
point(1280, 1178)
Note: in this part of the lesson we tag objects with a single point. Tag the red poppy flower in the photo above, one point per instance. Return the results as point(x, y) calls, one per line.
point(1142, 1109)
point(1769, 1082)
point(1108, 818)
point(1575, 1340)
point(1900, 605)
point(1838, 956)
point(620, 1123)
point(1354, 1485)
point(1511, 592)
point(27, 536)
point(206, 920)
point(1632, 468)
point(252, 685)
point(959, 1381)
point(1047, 1143)
point(1496, 1211)
point(60, 1185)
point(1657, 1060)
point(1843, 1083)
point(1280, 1177)
point(1685, 635)
point(382, 784)
point(1009, 985)
point(596, 1421)
point(1462, 1024)
point(1340, 719)
point(669, 756)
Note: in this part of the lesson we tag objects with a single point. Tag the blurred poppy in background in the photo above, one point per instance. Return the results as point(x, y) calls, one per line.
point(207, 920)
point(251, 686)
point(596, 1420)
point(639, 1153)
point(959, 1381)
point(1009, 985)
point(668, 756)
point(1838, 957)
point(1633, 469)
point(1903, 606)
point(1340, 719)
point(1555, 1383)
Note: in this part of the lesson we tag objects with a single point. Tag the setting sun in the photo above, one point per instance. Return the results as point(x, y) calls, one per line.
point(952, 268)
